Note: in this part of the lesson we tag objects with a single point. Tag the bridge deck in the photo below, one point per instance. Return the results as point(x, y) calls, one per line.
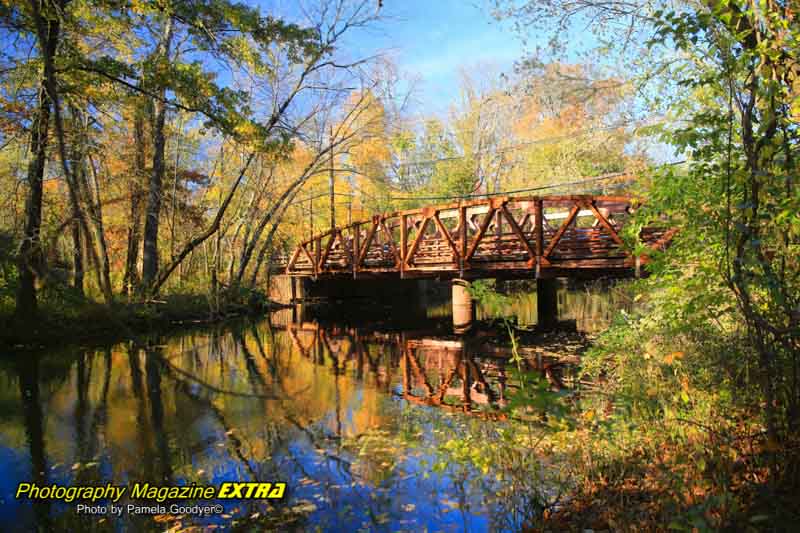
point(495, 237)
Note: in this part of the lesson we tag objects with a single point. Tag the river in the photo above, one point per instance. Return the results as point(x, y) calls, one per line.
point(360, 421)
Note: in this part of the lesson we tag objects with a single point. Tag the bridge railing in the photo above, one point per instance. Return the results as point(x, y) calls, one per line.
point(495, 234)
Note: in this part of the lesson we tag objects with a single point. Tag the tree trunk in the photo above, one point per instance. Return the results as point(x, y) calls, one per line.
point(31, 259)
point(86, 200)
point(154, 193)
point(77, 241)
point(96, 216)
point(262, 254)
point(130, 281)
point(249, 248)
point(77, 251)
point(175, 191)
point(232, 252)
point(215, 266)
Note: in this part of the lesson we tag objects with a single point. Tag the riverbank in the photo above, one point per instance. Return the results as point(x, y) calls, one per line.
point(92, 322)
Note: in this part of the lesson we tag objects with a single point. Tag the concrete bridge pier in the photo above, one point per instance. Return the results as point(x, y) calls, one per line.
point(463, 310)
point(546, 303)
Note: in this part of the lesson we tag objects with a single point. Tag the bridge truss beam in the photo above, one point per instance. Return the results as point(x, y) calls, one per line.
point(534, 236)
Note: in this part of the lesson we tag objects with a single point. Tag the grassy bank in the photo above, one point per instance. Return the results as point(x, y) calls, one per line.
point(82, 321)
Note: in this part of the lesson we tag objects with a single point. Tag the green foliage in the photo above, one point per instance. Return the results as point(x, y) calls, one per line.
point(8, 275)
point(220, 31)
point(737, 202)
point(495, 303)
point(483, 292)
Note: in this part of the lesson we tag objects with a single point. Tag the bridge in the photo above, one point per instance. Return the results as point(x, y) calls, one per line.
point(512, 237)
point(541, 237)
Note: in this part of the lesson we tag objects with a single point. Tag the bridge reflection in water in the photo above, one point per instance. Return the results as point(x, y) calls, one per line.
point(468, 376)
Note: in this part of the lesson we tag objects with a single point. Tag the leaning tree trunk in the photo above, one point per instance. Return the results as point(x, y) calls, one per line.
point(267, 246)
point(286, 195)
point(96, 213)
point(31, 259)
point(213, 228)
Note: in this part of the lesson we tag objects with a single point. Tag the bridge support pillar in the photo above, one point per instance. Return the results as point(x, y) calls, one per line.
point(463, 310)
point(546, 303)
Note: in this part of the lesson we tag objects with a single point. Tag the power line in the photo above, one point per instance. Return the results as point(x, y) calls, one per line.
point(518, 146)
point(602, 177)
point(321, 195)
point(384, 179)
point(516, 191)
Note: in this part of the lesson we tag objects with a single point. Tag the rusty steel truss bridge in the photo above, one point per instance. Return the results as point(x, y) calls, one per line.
point(506, 237)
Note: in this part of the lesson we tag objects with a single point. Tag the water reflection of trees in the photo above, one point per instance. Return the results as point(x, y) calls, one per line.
point(591, 306)
point(28, 376)
point(235, 403)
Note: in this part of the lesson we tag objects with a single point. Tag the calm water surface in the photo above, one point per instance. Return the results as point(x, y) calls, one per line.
point(352, 417)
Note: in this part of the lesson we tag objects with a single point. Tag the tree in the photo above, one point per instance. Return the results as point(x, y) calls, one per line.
point(743, 138)
point(314, 71)
point(130, 280)
point(30, 259)
point(161, 60)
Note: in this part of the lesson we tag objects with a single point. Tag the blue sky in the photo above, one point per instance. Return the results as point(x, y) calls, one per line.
point(433, 39)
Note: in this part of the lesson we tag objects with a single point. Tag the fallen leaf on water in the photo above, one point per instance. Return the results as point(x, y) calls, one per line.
point(304, 506)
